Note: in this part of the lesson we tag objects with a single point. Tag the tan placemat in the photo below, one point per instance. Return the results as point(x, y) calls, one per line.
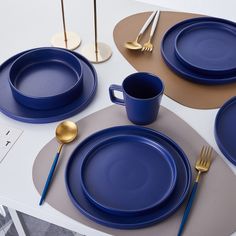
point(214, 213)
point(182, 91)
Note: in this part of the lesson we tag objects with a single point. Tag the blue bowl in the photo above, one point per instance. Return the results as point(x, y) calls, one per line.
point(46, 78)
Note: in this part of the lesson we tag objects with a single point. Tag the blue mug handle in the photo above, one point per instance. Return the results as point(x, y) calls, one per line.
point(113, 98)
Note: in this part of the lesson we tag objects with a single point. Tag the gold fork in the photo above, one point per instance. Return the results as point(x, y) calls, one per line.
point(148, 46)
point(202, 165)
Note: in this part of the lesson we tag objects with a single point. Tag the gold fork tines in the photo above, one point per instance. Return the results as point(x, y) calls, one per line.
point(148, 46)
point(204, 161)
point(202, 165)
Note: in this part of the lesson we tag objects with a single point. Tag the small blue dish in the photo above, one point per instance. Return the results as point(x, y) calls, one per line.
point(208, 48)
point(169, 55)
point(225, 130)
point(128, 174)
point(46, 78)
point(155, 215)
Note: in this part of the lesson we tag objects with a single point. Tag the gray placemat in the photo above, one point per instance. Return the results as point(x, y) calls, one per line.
point(214, 212)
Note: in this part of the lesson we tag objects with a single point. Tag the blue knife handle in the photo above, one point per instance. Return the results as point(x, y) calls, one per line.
point(49, 179)
point(188, 208)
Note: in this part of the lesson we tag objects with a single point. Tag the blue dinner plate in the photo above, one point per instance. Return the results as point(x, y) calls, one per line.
point(10, 107)
point(169, 55)
point(128, 174)
point(157, 214)
point(207, 47)
point(225, 129)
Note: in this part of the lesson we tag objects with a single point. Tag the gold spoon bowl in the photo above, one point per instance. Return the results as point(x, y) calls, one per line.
point(133, 45)
point(66, 132)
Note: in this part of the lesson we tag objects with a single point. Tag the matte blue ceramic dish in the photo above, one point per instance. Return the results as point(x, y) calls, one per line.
point(11, 108)
point(46, 78)
point(155, 215)
point(128, 174)
point(225, 129)
point(208, 48)
point(169, 55)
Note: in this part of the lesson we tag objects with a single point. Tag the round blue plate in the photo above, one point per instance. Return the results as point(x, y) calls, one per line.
point(168, 53)
point(207, 47)
point(13, 109)
point(79, 199)
point(225, 129)
point(128, 174)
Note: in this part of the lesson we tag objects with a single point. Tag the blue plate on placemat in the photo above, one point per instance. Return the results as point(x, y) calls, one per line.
point(225, 129)
point(207, 47)
point(128, 174)
point(15, 110)
point(154, 215)
point(169, 55)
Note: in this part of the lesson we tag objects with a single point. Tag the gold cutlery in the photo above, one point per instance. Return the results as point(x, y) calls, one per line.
point(135, 45)
point(66, 132)
point(202, 165)
point(148, 46)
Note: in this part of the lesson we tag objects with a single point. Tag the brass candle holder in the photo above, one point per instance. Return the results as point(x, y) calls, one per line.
point(68, 40)
point(96, 52)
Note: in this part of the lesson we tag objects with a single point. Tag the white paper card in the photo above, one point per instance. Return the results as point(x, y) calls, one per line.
point(8, 137)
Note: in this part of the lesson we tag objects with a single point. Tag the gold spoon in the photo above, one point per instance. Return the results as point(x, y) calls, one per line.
point(66, 132)
point(135, 45)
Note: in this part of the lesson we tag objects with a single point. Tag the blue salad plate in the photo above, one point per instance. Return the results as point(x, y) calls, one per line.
point(128, 174)
point(10, 107)
point(225, 129)
point(208, 48)
point(131, 153)
point(201, 49)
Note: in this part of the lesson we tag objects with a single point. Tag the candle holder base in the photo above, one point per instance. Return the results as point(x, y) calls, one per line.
point(103, 54)
point(73, 40)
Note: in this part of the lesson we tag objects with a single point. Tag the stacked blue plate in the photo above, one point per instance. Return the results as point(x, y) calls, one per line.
point(128, 177)
point(225, 131)
point(45, 85)
point(202, 50)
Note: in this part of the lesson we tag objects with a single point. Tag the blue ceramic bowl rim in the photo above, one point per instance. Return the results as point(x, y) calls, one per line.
point(144, 73)
point(117, 225)
point(217, 138)
point(188, 63)
point(64, 93)
point(128, 212)
point(68, 113)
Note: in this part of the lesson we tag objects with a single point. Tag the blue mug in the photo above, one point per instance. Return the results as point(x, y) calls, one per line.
point(142, 93)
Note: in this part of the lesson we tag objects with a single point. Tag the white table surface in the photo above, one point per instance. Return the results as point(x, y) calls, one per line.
point(27, 24)
point(217, 8)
